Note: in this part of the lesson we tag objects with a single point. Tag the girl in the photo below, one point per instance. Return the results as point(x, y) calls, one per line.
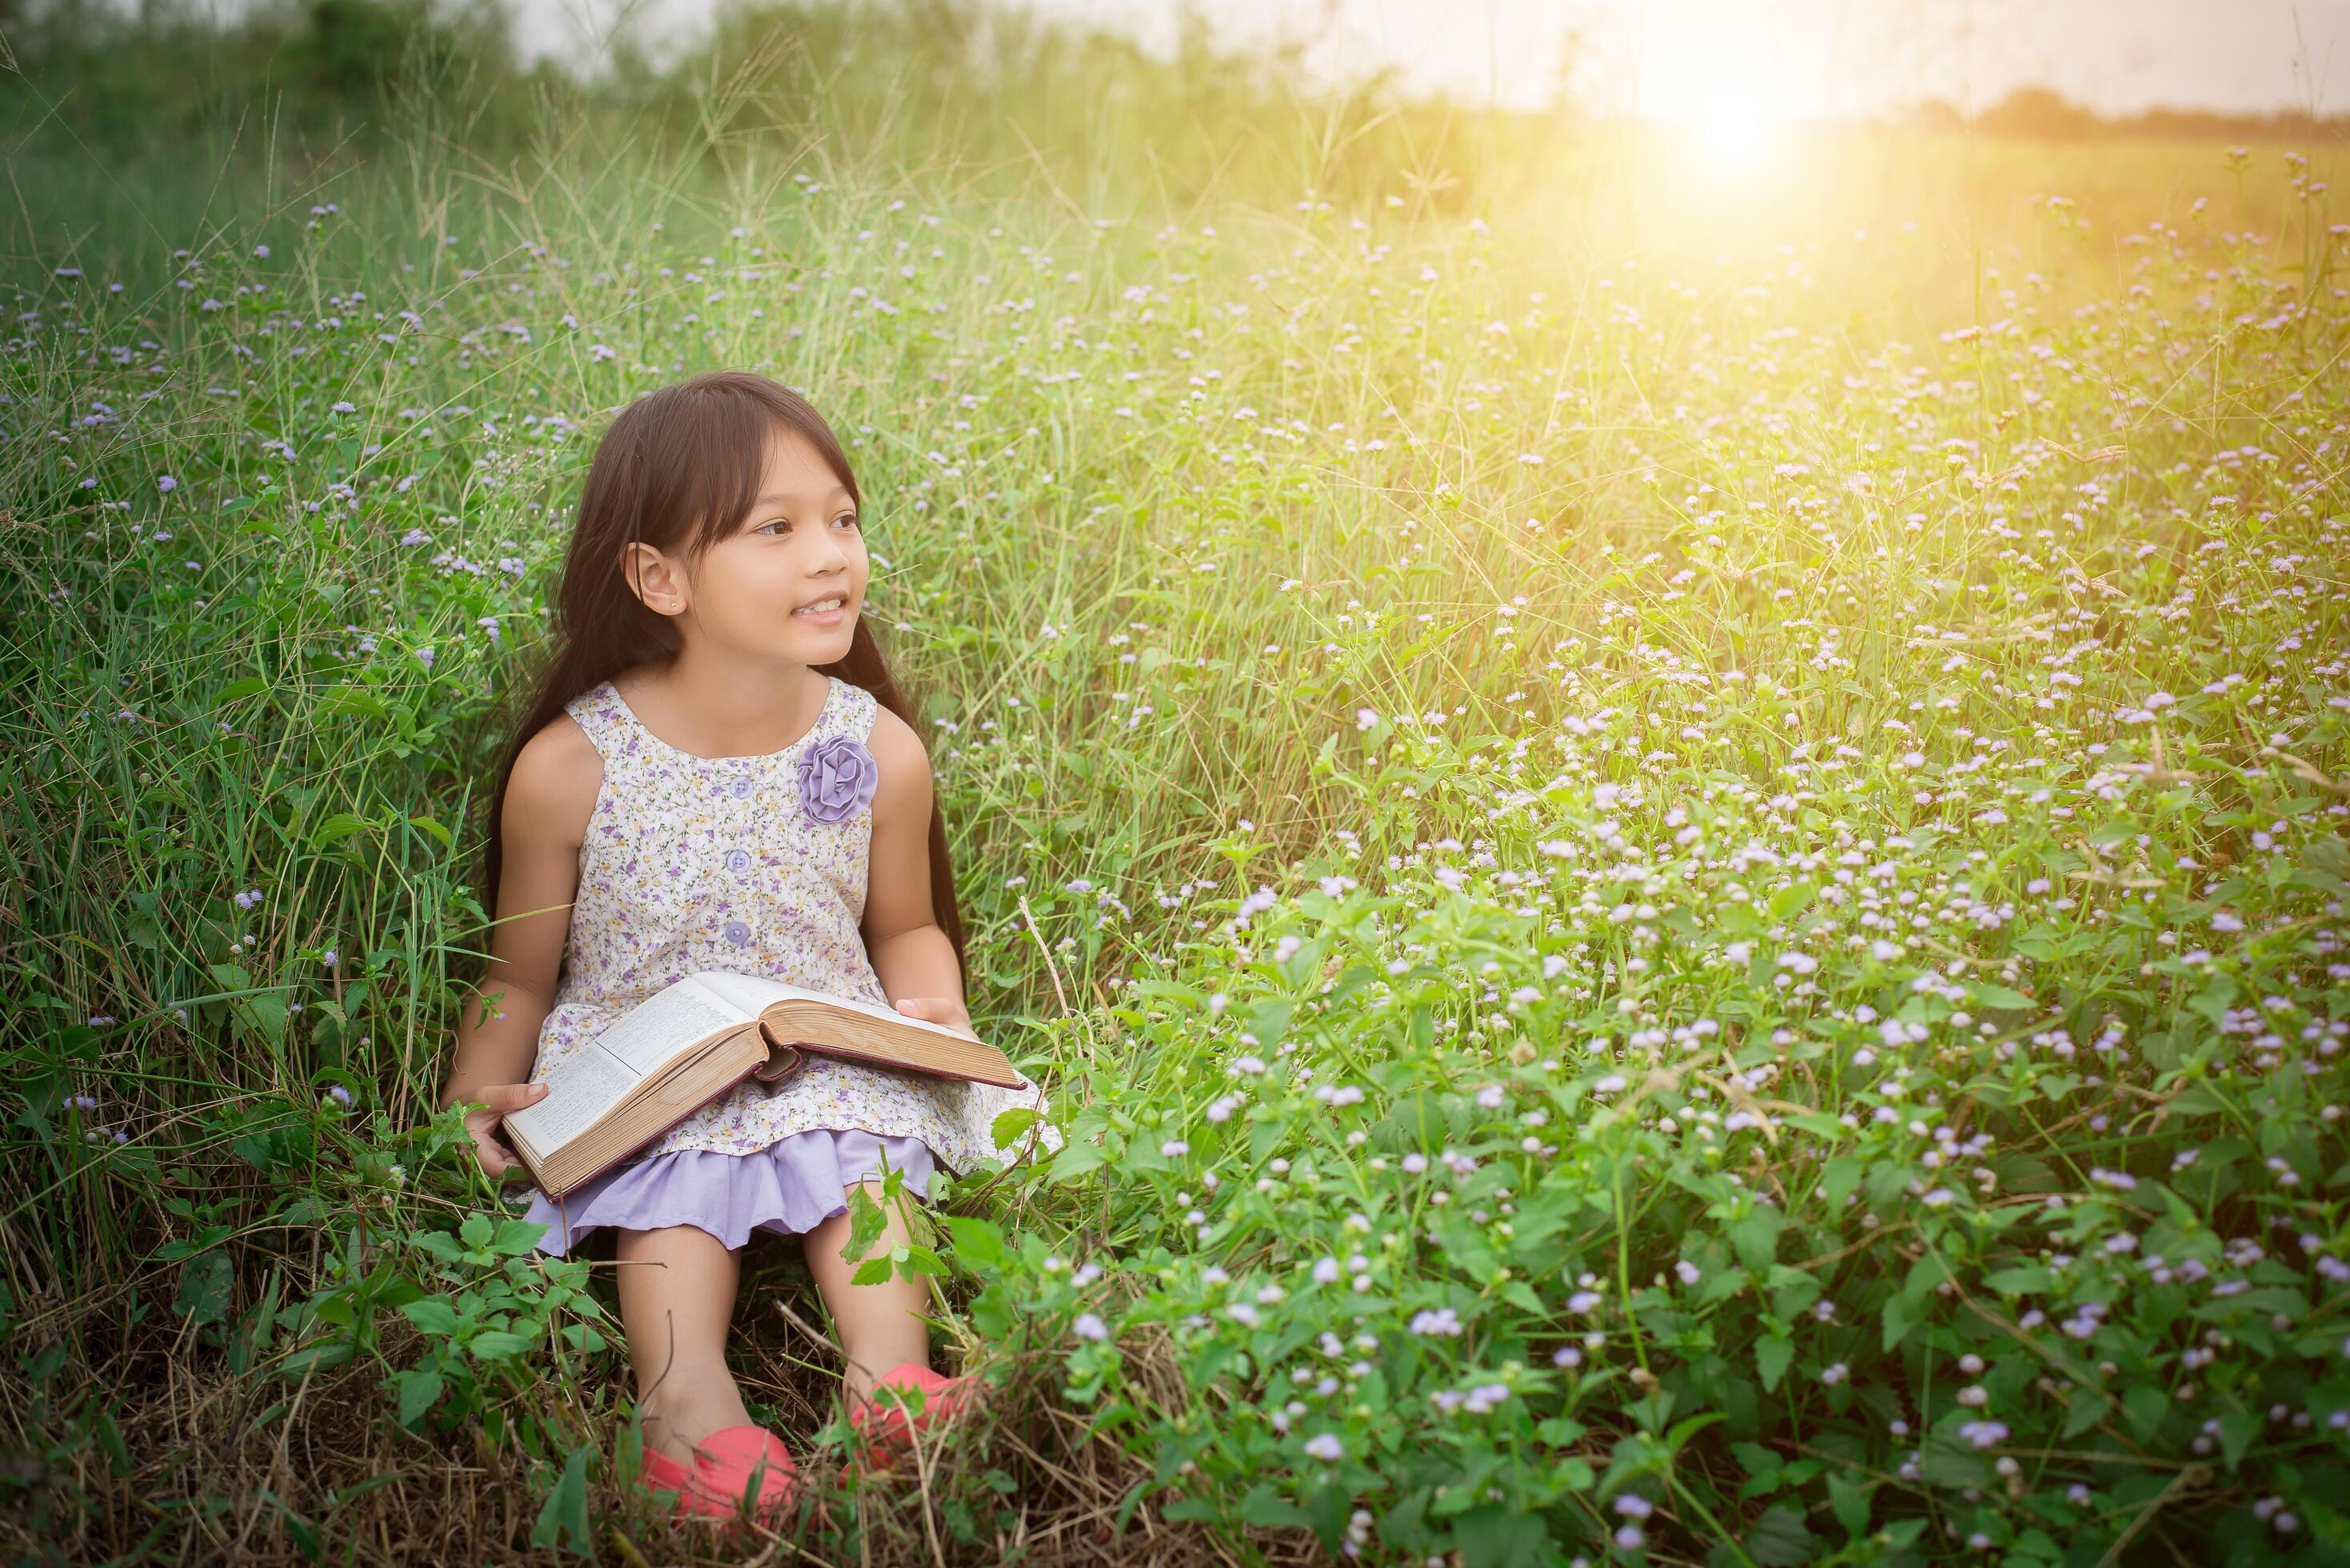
point(719, 772)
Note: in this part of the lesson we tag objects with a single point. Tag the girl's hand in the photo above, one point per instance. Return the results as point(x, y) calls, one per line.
point(944, 1010)
point(499, 1162)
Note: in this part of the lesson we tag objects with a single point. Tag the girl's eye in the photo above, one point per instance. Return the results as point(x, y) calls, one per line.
point(849, 517)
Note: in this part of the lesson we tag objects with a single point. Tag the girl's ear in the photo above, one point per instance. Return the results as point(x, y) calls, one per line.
point(654, 577)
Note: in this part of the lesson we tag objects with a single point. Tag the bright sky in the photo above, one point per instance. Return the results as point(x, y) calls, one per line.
point(1775, 59)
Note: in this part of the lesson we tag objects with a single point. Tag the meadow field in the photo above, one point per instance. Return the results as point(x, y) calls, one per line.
point(1670, 835)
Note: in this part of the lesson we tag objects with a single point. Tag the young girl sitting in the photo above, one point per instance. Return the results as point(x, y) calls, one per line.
point(719, 772)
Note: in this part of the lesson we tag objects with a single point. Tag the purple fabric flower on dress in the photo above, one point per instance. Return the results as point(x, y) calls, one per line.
point(837, 777)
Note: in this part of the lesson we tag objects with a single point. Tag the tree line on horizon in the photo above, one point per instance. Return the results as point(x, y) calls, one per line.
point(351, 71)
point(2043, 112)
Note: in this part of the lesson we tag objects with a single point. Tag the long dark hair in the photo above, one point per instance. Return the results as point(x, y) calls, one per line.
point(679, 468)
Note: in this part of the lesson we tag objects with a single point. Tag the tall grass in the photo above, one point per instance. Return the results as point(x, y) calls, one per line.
point(1558, 771)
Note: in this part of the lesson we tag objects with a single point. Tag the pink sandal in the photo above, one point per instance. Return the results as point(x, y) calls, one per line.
point(726, 1460)
point(712, 1487)
point(884, 1430)
point(694, 1499)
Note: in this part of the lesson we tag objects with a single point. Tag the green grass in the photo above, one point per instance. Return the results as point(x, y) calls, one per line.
point(1645, 751)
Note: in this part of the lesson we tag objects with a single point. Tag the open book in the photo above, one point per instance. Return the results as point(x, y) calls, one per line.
point(690, 1042)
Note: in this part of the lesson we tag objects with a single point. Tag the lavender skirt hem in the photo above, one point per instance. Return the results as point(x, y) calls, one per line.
point(793, 1184)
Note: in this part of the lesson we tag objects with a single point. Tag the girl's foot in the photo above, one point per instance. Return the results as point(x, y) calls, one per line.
point(881, 1420)
point(687, 1406)
point(701, 1443)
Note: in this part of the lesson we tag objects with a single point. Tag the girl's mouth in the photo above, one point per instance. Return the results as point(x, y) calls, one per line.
point(833, 616)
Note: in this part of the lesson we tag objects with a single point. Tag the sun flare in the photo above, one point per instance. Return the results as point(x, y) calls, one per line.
point(1735, 128)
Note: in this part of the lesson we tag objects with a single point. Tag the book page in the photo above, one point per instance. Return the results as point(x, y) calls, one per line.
point(670, 1022)
point(751, 992)
point(582, 1087)
point(755, 994)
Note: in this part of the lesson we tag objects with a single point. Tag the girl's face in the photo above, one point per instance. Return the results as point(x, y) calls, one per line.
point(800, 544)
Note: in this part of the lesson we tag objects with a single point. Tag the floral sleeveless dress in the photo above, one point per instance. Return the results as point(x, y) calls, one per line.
point(756, 865)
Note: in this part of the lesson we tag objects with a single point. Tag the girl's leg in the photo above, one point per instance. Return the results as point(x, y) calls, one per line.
point(676, 1298)
point(877, 1325)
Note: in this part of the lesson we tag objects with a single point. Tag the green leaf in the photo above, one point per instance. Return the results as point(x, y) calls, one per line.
point(2196, 1100)
point(2213, 1001)
point(563, 1516)
point(1495, 1535)
point(342, 825)
point(433, 1315)
point(1327, 1508)
point(2031, 1279)
point(871, 1272)
point(304, 1533)
point(1009, 1127)
point(497, 1345)
point(1722, 1284)
point(516, 1236)
point(1077, 1157)
point(867, 1221)
point(583, 1337)
point(1924, 1274)
point(1689, 1427)
point(1267, 1509)
point(2329, 855)
point(1560, 1431)
point(1886, 1184)
point(1946, 1459)
point(440, 1244)
point(419, 1389)
point(206, 1283)
point(1756, 1238)
point(263, 1011)
point(1900, 1319)
point(1771, 1354)
point(435, 829)
point(1999, 997)
point(2236, 1430)
point(476, 1232)
point(1838, 1179)
point(976, 1242)
point(1849, 1498)
point(1780, 1539)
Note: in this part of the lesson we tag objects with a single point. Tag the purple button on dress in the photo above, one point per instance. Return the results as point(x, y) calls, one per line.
point(792, 1186)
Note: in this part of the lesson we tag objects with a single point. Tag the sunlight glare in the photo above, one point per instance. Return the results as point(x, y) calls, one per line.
point(1735, 129)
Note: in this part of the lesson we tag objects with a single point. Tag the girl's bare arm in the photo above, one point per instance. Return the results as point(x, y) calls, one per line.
point(549, 799)
point(912, 956)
